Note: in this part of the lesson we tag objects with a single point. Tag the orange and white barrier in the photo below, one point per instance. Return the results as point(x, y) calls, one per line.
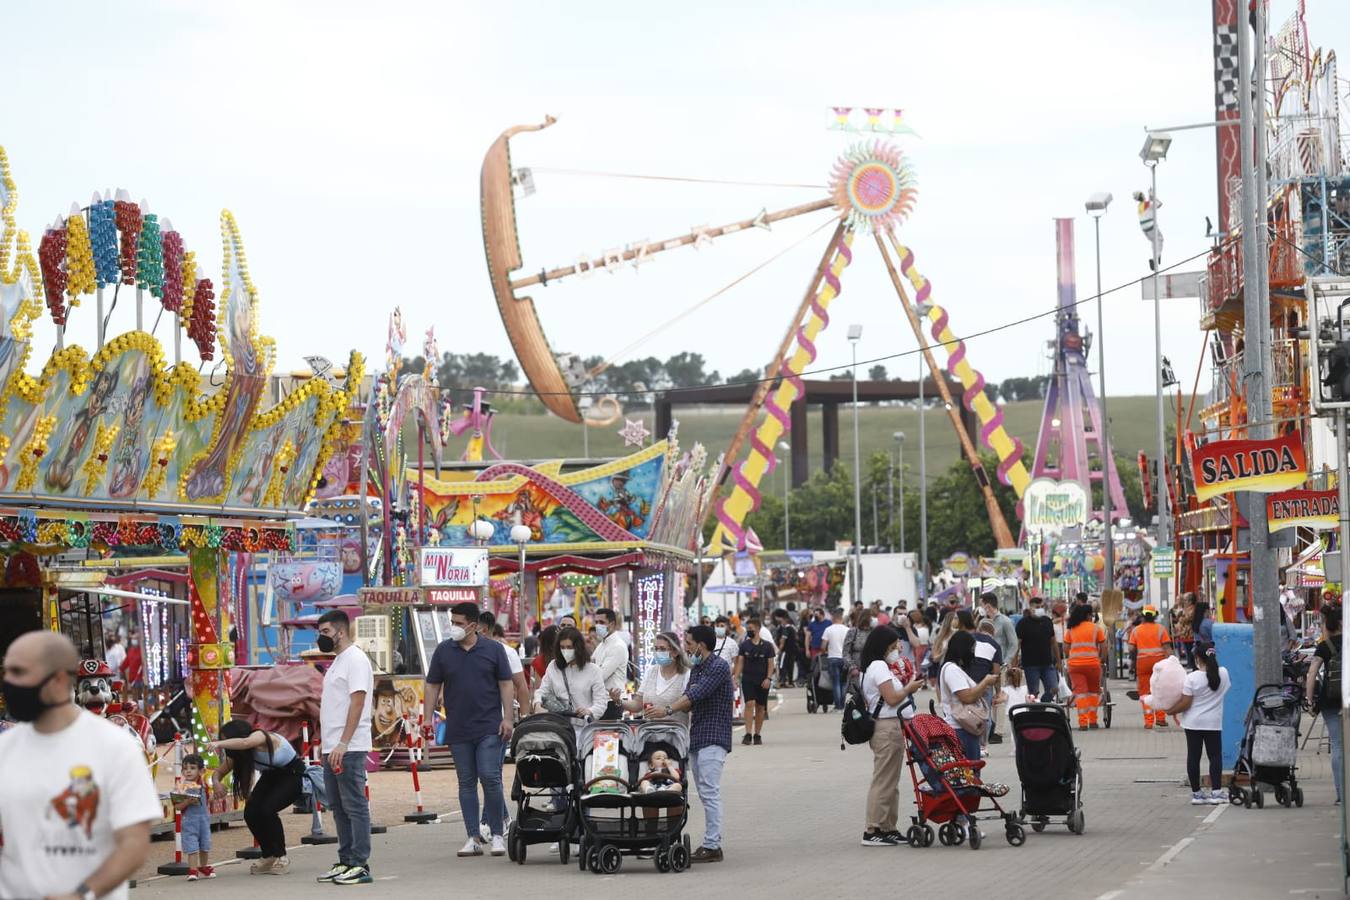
point(415, 748)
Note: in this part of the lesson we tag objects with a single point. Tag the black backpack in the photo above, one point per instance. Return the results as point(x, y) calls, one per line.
point(1330, 692)
point(859, 722)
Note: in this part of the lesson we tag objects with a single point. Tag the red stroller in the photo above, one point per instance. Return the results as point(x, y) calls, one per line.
point(947, 788)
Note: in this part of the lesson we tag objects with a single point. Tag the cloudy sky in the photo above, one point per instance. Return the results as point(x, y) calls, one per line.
point(347, 140)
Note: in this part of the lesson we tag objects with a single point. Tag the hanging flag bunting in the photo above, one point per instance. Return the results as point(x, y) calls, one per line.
point(1262, 466)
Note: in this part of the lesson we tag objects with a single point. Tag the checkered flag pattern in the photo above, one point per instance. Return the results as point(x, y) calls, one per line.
point(1225, 69)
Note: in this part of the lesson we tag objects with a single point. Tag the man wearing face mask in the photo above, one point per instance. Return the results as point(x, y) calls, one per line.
point(708, 697)
point(727, 648)
point(1038, 651)
point(344, 730)
point(754, 669)
point(479, 696)
point(611, 657)
point(79, 817)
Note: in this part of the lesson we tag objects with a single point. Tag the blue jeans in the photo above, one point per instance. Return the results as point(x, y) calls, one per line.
point(706, 765)
point(1332, 718)
point(838, 670)
point(351, 811)
point(1042, 675)
point(970, 744)
point(476, 761)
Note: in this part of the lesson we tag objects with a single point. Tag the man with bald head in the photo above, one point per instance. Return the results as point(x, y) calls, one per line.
point(77, 798)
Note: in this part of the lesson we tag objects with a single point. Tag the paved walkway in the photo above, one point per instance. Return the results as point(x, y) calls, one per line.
point(794, 817)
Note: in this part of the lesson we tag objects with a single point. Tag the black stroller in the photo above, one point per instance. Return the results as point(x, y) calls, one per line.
point(1049, 767)
point(544, 747)
point(819, 686)
point(627, 807)
point(1268, 754)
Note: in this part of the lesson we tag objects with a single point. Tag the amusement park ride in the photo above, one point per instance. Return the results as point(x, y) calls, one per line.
point(871, 193)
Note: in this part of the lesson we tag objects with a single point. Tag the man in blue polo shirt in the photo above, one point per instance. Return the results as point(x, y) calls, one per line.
point(478, 696)
point(816, 626)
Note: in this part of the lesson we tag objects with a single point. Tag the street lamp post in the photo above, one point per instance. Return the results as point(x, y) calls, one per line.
point(900, 465)
point(520, 536)
point(855, 335)
point(1154, 152)
point(787, 495)
point(1096, 207)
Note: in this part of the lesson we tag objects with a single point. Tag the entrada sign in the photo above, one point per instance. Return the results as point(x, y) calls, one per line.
point(454, 566)
point(1263, 466)
point(1319, 510)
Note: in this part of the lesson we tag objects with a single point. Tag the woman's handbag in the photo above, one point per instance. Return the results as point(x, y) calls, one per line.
point(972, 717)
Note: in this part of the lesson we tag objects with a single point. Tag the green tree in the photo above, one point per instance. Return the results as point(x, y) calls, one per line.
point(957, 519)
point(876, 373)
point(745, 376)
point(688, 370)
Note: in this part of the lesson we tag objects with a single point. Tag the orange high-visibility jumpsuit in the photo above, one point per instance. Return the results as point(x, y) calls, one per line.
point(1085, 669)
point(1148, 639)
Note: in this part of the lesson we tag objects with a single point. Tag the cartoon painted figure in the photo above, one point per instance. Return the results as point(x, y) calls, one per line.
point(250, 494)
point(62, 474)
point(131, 454)
point(530, 514)
point(77, 805)
point(624, 508)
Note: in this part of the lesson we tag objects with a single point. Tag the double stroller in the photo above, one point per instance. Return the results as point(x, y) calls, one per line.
point(1268, 754)
point(544, 748)
point(631, 802)
point(1049, 767)
point(947, 788)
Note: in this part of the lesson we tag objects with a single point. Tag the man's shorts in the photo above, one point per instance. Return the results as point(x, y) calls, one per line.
point(753, 693)
point(196, 832)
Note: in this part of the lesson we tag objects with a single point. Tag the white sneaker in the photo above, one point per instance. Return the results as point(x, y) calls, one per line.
point(553, 848)
point(471, 848)
point(498, 845)
point(1219, 797)
point(1199, 798)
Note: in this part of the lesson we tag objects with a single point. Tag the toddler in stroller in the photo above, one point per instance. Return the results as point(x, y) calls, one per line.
point(947, 788)
point(544, 748)
point(634, 795)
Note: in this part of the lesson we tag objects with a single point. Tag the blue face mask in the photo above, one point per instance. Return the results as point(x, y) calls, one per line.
point(661, 659)
point(695, 658)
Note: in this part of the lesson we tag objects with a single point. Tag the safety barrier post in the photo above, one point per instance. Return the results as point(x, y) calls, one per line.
point(177, 867)
point(421, 816)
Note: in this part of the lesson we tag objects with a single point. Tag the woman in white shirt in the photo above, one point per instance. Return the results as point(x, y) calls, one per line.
point(883, 693)
point(573, 684)
point(1201, 711)
point(664, 681)
point(953, 682)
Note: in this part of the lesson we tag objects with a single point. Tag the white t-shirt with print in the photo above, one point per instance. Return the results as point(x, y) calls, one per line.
point(62, 799)
point(954, 679)
point(728, 649)
point(833, 640)
point(349, 672)
point(1206, 712)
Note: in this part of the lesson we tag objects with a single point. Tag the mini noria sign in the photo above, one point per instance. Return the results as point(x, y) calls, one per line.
point(1263, 466)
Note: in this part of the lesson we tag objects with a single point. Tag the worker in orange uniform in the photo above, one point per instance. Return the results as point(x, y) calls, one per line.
point(1149, 643)
point(1086, 641)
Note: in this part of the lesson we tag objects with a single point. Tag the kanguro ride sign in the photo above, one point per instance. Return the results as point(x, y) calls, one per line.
point(1263, 466)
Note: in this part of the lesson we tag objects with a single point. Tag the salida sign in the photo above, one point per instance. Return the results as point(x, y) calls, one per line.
point(1262, 466)
point(1303, 509)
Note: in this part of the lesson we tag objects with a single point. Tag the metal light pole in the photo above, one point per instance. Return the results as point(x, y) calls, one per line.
point(855, 335)
point(900, 464)
point(1096, 207)
point(521, 534)
point(787, 496)
point(923, 493)
point(1154, 152)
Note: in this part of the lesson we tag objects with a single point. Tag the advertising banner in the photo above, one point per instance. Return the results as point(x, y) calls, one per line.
point(1262, 466)
point(1320, 510)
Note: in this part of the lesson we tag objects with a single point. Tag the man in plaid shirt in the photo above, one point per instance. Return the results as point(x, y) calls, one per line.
point(709, 698)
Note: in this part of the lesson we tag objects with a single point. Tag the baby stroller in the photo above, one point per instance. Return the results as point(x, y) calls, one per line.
point(544, 747)
point(819, 686)
point(1049, 767)
point(1268, 754)
point(625, 807)
point(947, 788)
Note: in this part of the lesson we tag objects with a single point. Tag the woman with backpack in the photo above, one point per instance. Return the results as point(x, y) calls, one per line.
point(248, 751)
point(883, 694)
point(1326, 697)
point(1201, 712)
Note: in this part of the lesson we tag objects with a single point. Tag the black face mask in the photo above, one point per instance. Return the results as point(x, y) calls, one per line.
point(325, 644)
point(23, 702)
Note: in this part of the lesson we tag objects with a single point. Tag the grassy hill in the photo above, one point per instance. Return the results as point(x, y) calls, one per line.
point(525, 436)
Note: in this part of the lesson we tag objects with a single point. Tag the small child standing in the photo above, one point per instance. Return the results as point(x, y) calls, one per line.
point(190, 801)
point(1014, 693)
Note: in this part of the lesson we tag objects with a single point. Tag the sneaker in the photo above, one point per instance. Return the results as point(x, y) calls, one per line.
point(208, 871)
point(484, 832)
point(995, 738)
point(1093, 726)
point(759, 740)
point(1219, 797)
point(553, 847)
point(1162, 723)
point(281, 866)
point(1199, 798)
point(498, 845)
point(192, 875)
point(354, 875)
point(899, 838)
point(333, 873)
point(877, 839)
point(746, 741)
point(472, 847)
point(706, 854)
point(262, 866)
